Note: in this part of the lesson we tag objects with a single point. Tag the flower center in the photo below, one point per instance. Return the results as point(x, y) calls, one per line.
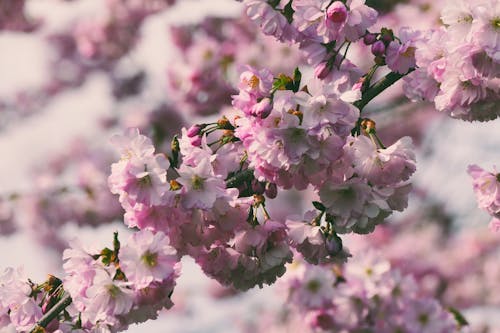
point(313, 286)
point(496, 23)
point(197, 182)
point(253, 82)
point(113, 290)
point(423, 318)
point(466, 19)
point(145, 181)
point(410, 52)
point(150, 259)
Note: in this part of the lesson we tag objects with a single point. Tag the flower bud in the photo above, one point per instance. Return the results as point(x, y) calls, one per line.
point(196, 141)
point(257, 187)
point(322, 70)
point(337, 12)
point(387, 35)
point(378, 48)
point(263, 108)
point(194, 130)
point(369, 39)
point(271, 190)
point(333, 245)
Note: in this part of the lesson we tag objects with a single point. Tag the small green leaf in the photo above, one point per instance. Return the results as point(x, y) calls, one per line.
point(297, 76)
point(319, 206)
point(460, 319)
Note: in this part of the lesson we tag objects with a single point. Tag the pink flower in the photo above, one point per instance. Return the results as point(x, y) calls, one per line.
point(147, 258)
point(80, 269)
point(494, 225)
point(141, 180)
point(486, 27)
point(400, 56)
point(24, 315)
point(310, 241)
point(258, 257)
point(336, 12)
point(201, 187)
point(360, 18)
point(254, 85)
point(15, 298)
point(486, 186)
point(270, 20)
point(427, 315)
point(106, 298)
point(313, 288)
point(388, 166)
point(133, 145)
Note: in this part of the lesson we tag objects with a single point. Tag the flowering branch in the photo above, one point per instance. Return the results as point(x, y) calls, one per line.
point(63, 303)
point(240, 178)
point(378, 87)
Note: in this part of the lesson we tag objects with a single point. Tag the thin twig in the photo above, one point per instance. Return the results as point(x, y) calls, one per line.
point(52, 313)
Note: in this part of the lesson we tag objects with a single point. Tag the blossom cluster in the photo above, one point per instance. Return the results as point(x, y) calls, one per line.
point(203, 75)
point(110, 288)
point(464, 87)
point(486, 186)
point(302, 138)
point(459, 64)
point(320, 28)
point(366, 295)
point(109, 37)
point(467, 280)
point(192, 204)
point(209, 196)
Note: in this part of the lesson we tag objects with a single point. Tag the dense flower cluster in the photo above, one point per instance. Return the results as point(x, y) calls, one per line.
point(292, 138)
point(203, 218)
point(367, 295)
point(202, 78)
point(115, 288)
point(459, 65)
point(110, 289)
point(320, 28)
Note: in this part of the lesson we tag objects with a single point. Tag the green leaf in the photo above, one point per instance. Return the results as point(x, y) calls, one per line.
point(319, 206)
point(106, 256)
point(460, 319)
point(297, 76)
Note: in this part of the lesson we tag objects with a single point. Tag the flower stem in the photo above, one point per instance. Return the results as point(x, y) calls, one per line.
point(239, 178)
point(378, 87)
point(52, 313)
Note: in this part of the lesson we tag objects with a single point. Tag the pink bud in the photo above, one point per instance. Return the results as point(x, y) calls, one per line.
point(271, 190)
point(194, 130)
point(262, 109)
point(322, 70)
point(369, 39)
point(337, 12)
point(378, 48)
point(257, 187)
point(196, 141)
point(322, 320)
